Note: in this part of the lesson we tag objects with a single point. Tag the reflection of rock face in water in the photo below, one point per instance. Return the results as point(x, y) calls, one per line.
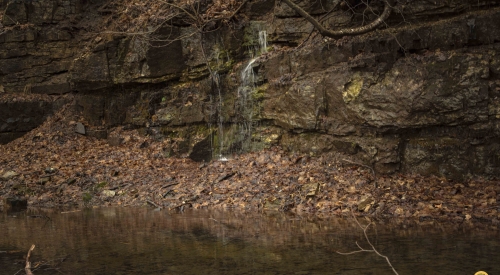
point(143, 241)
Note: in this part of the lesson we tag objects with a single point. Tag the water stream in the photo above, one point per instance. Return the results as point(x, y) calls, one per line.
point(144, 241)
point(240, 140)
point(246, 105)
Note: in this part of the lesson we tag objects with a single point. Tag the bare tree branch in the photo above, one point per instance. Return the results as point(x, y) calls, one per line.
point(27, 268)
point(346, 31)
point(361, 249)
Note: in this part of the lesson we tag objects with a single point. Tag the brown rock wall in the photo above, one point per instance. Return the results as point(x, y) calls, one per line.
point(420, 96)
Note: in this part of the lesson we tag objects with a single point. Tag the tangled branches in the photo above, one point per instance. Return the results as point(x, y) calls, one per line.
point(145, 18)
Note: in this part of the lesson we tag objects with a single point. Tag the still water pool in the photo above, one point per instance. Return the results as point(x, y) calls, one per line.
point(143, 241)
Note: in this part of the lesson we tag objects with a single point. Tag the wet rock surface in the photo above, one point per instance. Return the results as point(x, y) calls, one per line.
point(15, 203)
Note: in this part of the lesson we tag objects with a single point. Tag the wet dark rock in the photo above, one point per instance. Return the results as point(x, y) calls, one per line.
point(19, 117)
point(15, 203)
point(202, 151)
point(50, 170)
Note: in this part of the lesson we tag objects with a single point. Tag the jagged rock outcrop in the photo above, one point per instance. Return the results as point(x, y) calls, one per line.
point(419, 96)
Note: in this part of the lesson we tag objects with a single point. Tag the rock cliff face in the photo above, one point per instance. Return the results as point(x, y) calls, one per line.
point(421, 95)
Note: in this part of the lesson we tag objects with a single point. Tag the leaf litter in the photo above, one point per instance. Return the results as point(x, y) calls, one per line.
point(52, 166)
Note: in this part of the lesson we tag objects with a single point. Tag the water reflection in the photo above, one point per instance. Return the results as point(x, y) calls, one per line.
point(142, 241)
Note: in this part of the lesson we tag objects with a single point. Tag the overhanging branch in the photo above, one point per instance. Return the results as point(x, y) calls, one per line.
point(346, 31)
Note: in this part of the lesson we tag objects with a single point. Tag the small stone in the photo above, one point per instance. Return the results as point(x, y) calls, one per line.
point(364, 202)
point(44, 180)
point(80, 129)
point(108, 193)
point(50, 170)
point(311, 189)
point(9, 174)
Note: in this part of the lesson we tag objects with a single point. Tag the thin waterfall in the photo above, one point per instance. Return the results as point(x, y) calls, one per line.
point(220, 117)
point(246, 123)
point(238, 137)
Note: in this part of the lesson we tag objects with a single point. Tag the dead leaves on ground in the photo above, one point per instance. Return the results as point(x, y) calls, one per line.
point(54, 167)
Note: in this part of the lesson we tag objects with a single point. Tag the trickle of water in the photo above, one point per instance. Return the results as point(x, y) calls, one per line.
point(244, 105)
point(220, 120)
point(263, 41)
point(246, 109)
point(247, 78)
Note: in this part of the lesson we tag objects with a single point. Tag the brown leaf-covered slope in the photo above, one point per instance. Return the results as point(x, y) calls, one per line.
point(54, 166)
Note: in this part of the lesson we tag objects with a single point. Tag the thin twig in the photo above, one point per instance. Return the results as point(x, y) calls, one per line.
point(237, 10)
point(361, 249)
point(154, 204)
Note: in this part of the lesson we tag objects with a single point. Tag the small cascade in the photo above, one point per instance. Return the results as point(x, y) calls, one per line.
point(246, 107)
point(236, 137)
